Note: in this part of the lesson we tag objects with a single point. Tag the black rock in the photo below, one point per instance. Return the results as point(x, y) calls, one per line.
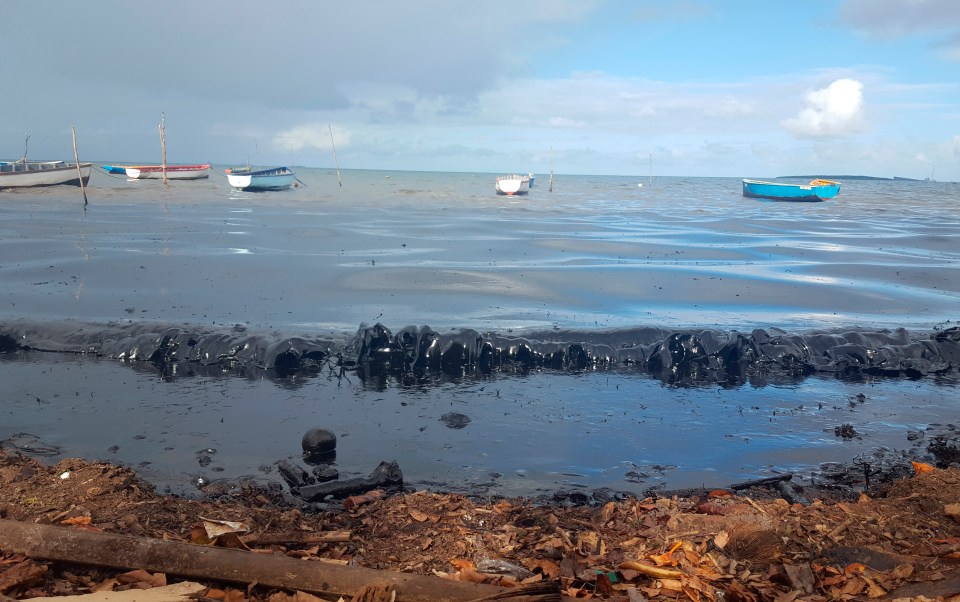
point(318, 443)
point(325, 473)
point(293, 474)
point(455, 420)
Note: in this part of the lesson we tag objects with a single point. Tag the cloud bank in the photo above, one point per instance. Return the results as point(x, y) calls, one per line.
point(830, 112)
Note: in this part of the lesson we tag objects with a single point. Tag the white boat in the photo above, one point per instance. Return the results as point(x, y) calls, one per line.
point(274, 178)
point(174, 172)
point(27, 174)
point(512, 185)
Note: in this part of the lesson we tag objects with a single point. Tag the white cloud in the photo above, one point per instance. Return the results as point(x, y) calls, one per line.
point(830, 112)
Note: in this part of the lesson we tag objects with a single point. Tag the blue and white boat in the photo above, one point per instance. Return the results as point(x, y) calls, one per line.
point(817, 190)
point(273, 178)
point(120, 170)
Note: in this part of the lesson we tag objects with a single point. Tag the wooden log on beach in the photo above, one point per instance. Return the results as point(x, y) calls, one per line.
point(765, 482)
point(63, 544)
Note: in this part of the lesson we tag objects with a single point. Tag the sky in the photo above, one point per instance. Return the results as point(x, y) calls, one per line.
point(731, 88)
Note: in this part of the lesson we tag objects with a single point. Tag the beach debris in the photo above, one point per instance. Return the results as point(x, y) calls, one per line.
point(355, 501)
point(294, 475)
point(846, 431)
point(762, 482)
point(386, 475)
point(324, 472)
point(22, 573)
point(215, 527)
point(502, 567)
point(161, 557)
point(766, 549)
point(31, 445)
point(455, 420)
point(205, 456)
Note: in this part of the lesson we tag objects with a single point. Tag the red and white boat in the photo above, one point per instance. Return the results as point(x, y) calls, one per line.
point(512, 185)
point(174, 172)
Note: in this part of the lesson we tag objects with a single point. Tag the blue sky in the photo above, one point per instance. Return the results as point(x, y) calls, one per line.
point(741, 88)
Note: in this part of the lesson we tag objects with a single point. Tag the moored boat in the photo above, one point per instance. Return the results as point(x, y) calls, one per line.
point(27, 174)
point(273, 178)
point(816, 190)
point(174, 172)
point(511, 185)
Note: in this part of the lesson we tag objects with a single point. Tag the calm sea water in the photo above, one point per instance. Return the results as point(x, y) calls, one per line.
point(441, 249)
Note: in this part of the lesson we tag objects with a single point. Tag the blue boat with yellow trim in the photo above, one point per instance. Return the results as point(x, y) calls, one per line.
point(817, 190)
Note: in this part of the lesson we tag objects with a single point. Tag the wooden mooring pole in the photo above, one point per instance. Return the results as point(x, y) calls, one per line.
point(76, 157)
point(163, 146)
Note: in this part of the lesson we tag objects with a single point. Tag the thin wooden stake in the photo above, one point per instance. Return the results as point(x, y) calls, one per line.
point(163, 146)
point(76, 157)
point(335, 162)
point(551, 169)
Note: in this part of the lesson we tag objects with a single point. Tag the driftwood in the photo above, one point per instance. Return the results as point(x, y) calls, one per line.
point(781, 483)
point(387, 475)
point(761, 482)
point(790, 493)
point(64, 544)
point(296, 538)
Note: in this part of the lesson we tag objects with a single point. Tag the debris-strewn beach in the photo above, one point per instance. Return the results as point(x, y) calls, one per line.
point(79, 527)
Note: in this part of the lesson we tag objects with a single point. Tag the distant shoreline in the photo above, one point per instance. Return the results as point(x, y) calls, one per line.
point(894, 178)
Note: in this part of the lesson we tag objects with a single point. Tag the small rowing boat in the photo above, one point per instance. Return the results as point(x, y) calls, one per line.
point(817, 190)
point(174, 172)
point(256, 180)
point(27, 174)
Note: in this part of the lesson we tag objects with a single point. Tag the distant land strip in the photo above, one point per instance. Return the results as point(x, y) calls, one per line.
point(897, 178)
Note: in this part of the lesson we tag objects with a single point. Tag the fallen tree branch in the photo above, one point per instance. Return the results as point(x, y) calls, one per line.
point(657, 572)
point(761, 482)
point(64, 544)
point(296, 538)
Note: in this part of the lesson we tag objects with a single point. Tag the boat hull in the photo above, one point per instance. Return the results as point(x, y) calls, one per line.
point(174, 172)
point(36, 174)
point(815, 191)
point(511, 185)
point(280, 178)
